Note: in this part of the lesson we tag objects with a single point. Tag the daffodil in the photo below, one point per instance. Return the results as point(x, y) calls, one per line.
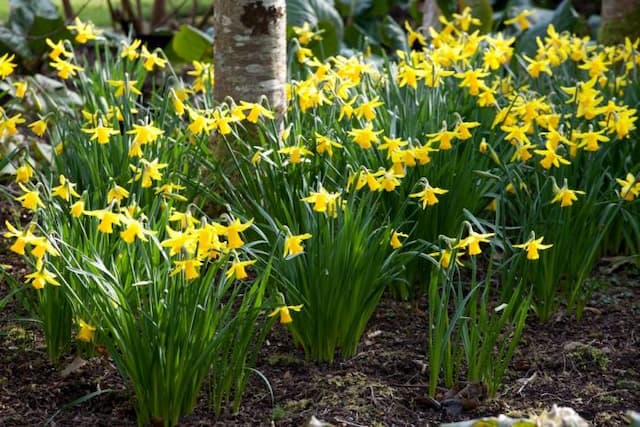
point(414, 36)
point(133, 230)
point(41, 277)
point(395, 239)
point(65, 190)
point(190, 267)
point(86, 332)
point(551, 158)
point(77, 209)
point(124, 87)
point(305, 34)
point(326, 145)
point(365, 137)
point(428, 195)
point(285, 313)
point(58, 49)
point(39, 127)
point(107, 219)
point(255, 111)
point(130, 49)
point(293, 244)
point(237, 269)
point(147, 172)
point(6, 65)
point(367, 110)
point(564, 195)
point(296, 153)
point(520, 19)
point(151, 59)
point(41, 247)
point(85, 31)
point(24, 173)
point(179, 241)
point(630, 187)
point(473, 240)
point(444, 138)
point(65, 68)
point(21, 89)
point(323, 201)
point(532, 246)
point(30, 199)
point(23, 238)
point(232, 232)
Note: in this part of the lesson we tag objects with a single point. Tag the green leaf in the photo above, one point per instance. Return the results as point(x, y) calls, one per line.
point(354, 7)
point(564, 18)
point(44, 28)
point(447, 7)
point(11, 42)
point(321, 13)
point(393, 35)
point(191, 44)
point(482, 10)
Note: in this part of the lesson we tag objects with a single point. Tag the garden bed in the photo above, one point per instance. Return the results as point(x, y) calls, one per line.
point(590, 365)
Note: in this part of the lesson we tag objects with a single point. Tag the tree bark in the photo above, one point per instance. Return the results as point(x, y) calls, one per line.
point(620, 19)
point(430, 15)
point(68, 10)
point(158, 13)
point(250, 51)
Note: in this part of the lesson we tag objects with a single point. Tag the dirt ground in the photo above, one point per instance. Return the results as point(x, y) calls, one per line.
point(592, 365)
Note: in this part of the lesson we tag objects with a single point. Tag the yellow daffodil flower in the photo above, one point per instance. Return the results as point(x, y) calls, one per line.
point(323, 201)
point(232, 231)
point(24, 173)
point(85, 331)
point(395, 239)
point(6, 65)
point(237, 269)
point(30, 199)
point(521, 19)
point(428, 195)
point(148, 172)
point(151, 59)
point(473, 240)
point(630, 187)
point(365, 137)
point(293, 244)
point(39, 127)
point(189, 266)
point(85, 31)
point(284, 312)
point(65, 190)
point(130, 49)
point(57, 49)
point(532, 246)
point(41, 277)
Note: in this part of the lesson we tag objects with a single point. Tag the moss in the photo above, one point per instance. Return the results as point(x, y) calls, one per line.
point(586, 356)
point(614, 31)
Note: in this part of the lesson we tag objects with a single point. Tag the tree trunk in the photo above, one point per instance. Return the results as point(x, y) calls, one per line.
point(68, 10)
point(250, 51)
point(620, 19)
point(158, 13)
point(430, 15)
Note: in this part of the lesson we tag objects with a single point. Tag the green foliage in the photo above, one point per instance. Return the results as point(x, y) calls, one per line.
point(191, 44)
point(564, 18)
point(30, 23)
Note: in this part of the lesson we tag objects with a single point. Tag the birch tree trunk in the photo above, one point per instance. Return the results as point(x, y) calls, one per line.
point(620, 19)
point(430, 15)
point(250, 51)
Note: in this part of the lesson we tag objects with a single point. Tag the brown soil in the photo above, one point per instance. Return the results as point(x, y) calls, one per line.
point(591, 365)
